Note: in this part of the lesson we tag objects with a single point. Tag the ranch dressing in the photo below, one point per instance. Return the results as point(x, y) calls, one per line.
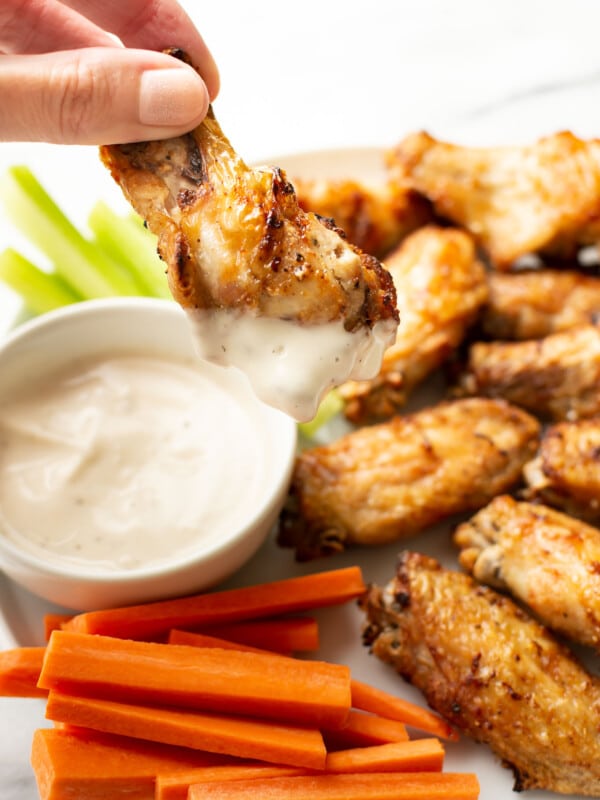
point(123, 462)
point(290, 366)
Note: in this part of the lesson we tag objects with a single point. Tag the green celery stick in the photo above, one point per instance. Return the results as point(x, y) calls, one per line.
point(132, 245)
point(83, 265)
point(40, 291)
point(331, 405)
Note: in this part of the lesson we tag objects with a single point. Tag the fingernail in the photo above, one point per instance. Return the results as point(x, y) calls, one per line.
point(171, 97)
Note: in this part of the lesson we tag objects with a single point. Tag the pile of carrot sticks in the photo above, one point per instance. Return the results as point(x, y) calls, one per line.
point(202, 697)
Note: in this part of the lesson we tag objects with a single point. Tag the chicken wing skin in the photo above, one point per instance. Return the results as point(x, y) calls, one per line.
point(374, 218)
point(566, 470)
point(492, 671)
point(557, 377)
point(546, 559)
point(277, 292)
point(534, 304)
point(543, 198)
point(386, 482)
point(440, 287)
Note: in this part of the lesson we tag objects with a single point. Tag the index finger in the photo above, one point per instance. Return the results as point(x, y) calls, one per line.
point(152, 25)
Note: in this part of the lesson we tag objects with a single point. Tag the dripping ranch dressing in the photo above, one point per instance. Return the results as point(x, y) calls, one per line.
point(120, 462)
point(290, 366)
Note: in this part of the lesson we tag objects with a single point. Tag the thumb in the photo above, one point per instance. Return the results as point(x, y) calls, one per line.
point(98, 95)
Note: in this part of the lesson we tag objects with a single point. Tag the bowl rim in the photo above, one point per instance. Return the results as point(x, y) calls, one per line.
point(283, 446)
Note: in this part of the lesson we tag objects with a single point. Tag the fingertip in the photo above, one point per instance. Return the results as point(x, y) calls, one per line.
point(175, 99)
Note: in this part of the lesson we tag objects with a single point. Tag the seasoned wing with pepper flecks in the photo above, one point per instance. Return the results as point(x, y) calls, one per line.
point(492, 671)
point(535, 303)
point(440, 287)
point(256, 270)
point(546, 559)
point(389, 481)
point(542, 198)
point(557, 377)
point(566, 470)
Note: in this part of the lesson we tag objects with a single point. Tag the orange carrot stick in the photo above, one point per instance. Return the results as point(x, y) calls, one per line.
point(98, 766)
point(290, 595)
point(231, 681)
point(243, 737)
point(363, 730)
point(294, 634)
point(376, 701)
point(53, 622)
point(374, 786)
point(418, 755)
point(19, 672)
point(175, 787)
point(194, 639)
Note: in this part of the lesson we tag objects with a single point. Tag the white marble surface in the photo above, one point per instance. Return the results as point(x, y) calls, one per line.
point(314, 75)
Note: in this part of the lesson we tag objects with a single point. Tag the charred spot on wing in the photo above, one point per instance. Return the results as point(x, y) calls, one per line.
point(281, 185)
point(186, 198)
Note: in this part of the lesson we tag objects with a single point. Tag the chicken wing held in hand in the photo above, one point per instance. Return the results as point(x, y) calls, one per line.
point(275, 291)
point(383, 483)
point(566, 471)
point(440, 287)
point(544, 198)
point(492, 671)
point(547, 560)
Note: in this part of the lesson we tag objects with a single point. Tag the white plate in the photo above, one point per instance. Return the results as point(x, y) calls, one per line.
point(21, 613)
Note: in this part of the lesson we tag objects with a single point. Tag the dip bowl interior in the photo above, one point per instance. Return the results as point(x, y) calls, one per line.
point(136, 327)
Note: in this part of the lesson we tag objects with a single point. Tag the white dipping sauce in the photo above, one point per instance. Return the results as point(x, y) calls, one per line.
point(123, 462)
point(290, 366)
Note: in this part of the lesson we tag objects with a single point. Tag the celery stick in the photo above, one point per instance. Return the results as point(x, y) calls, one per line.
point(331, 405)
point(132, 245)
point(39, 290)
point(83, 265)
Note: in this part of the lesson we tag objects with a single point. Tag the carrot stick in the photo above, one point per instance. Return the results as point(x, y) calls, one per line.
point(19, 672)
point(99, 766)
point(374, 786)
point(53, 622)
point(231, 681)
point(364, 730)
point(294, 634)
point(193, 639)
point(243, 737)
point(175, 787)
point(418, 755)
point(376, 701)
point(290, 595)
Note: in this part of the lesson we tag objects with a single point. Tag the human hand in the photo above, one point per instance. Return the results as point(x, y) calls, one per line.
point(65, 78)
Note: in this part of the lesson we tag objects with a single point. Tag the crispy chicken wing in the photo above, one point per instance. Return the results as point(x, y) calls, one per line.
point(238, 249)
point(374, 218)
point(440, 287)
point(492, 671)
point(534, 304)
point(389, 481)
point(544, 198)
point(566, 471)
point(547, 560)
point(557, 376)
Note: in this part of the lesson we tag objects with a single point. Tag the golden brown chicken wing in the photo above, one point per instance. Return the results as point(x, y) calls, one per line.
point(492, 671)
point(547, 560)
point(544, 198)
point(534, 304)
point(440, 287)
point(273, 290)
point(566, 471)
point(389, 481)
point(557, 377)
point(374, 218)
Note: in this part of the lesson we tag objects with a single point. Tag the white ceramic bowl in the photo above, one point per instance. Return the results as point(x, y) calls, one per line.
point(141, 327)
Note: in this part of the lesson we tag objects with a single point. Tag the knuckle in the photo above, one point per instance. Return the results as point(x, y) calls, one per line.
point(82, 96)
